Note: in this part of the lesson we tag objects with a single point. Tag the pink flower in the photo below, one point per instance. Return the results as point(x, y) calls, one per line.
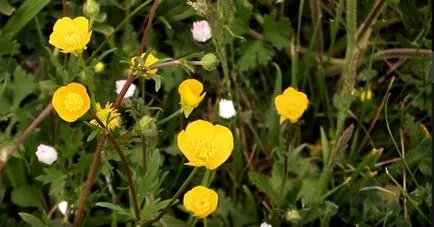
point(201, 31)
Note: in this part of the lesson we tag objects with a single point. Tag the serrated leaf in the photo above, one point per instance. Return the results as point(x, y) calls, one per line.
point(31, 220)
point(51, 175)
point(57, 180)
point(277, 31)
point(22, 85)
point(152, 207)
point(253, 54)
point(26, 196)
point(8, 46)
point(262, 183)
point(114, 207)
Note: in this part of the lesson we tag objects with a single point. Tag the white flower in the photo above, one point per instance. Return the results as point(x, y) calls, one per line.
point(201, 31)
point(265, 224)
point(130, 91)
point(46, 154)
point(63, 207)
point(226, 109)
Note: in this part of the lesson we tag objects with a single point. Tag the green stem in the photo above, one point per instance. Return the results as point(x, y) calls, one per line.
point(168, 118)
point(144, 154)
point(125, 164)
point(351, 25)
point(126, 19)
point(205, 222)
point(177, 194)
point(206, 178)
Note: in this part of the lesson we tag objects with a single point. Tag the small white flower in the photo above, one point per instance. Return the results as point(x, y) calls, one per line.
point(120, 85)
point(226, 109)
point(265, 224)
point(63, 207)
point(201, 31)
point(46, 154)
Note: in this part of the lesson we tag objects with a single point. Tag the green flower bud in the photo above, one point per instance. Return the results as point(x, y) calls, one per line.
point(209, 62)
point(293, 216)
point(146, 127)
point(91, 9)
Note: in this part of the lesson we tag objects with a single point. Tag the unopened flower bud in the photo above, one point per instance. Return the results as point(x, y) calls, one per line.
point(226, 109)
point(91, 9)
point(99, 67)
point(63, 207)
point(46, 154)
point(146, 127)
point(209, 62)
point(293, 216)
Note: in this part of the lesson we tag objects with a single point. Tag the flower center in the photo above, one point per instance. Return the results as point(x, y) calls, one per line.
point(202, 204)
point(73, 39)
point(204, 150)
point(73, 102)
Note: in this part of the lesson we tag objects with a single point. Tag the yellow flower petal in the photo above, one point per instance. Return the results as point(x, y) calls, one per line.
point(108, 115)
point(190, 92)
point(150, 60)
point(223, 139)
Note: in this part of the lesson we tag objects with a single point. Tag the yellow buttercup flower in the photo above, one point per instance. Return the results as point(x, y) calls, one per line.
point(150, 60)
point(71, 35)
point(291, 104)
point(108, 115)
point(71, 101)
point(201, 201)
point(190, 91)
point(205, 144)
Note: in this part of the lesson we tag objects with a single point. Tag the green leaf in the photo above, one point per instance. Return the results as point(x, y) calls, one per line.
point(26, 196)
point(277, 31)
point(170, 221)
point(92, 135)
point(325, 146)
point(57, 180)
point(272, 120)
point(5, 8)
point(103, 28)
point(31, 220)
point(152, 207)
point(262, 183)
point(254, 53)
point(8, 46)
point(114, 207)
point(22, 16)
point(157, 79)
point(22, 85)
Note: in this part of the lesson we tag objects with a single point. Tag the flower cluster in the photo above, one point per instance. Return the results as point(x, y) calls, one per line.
point(203, 143)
